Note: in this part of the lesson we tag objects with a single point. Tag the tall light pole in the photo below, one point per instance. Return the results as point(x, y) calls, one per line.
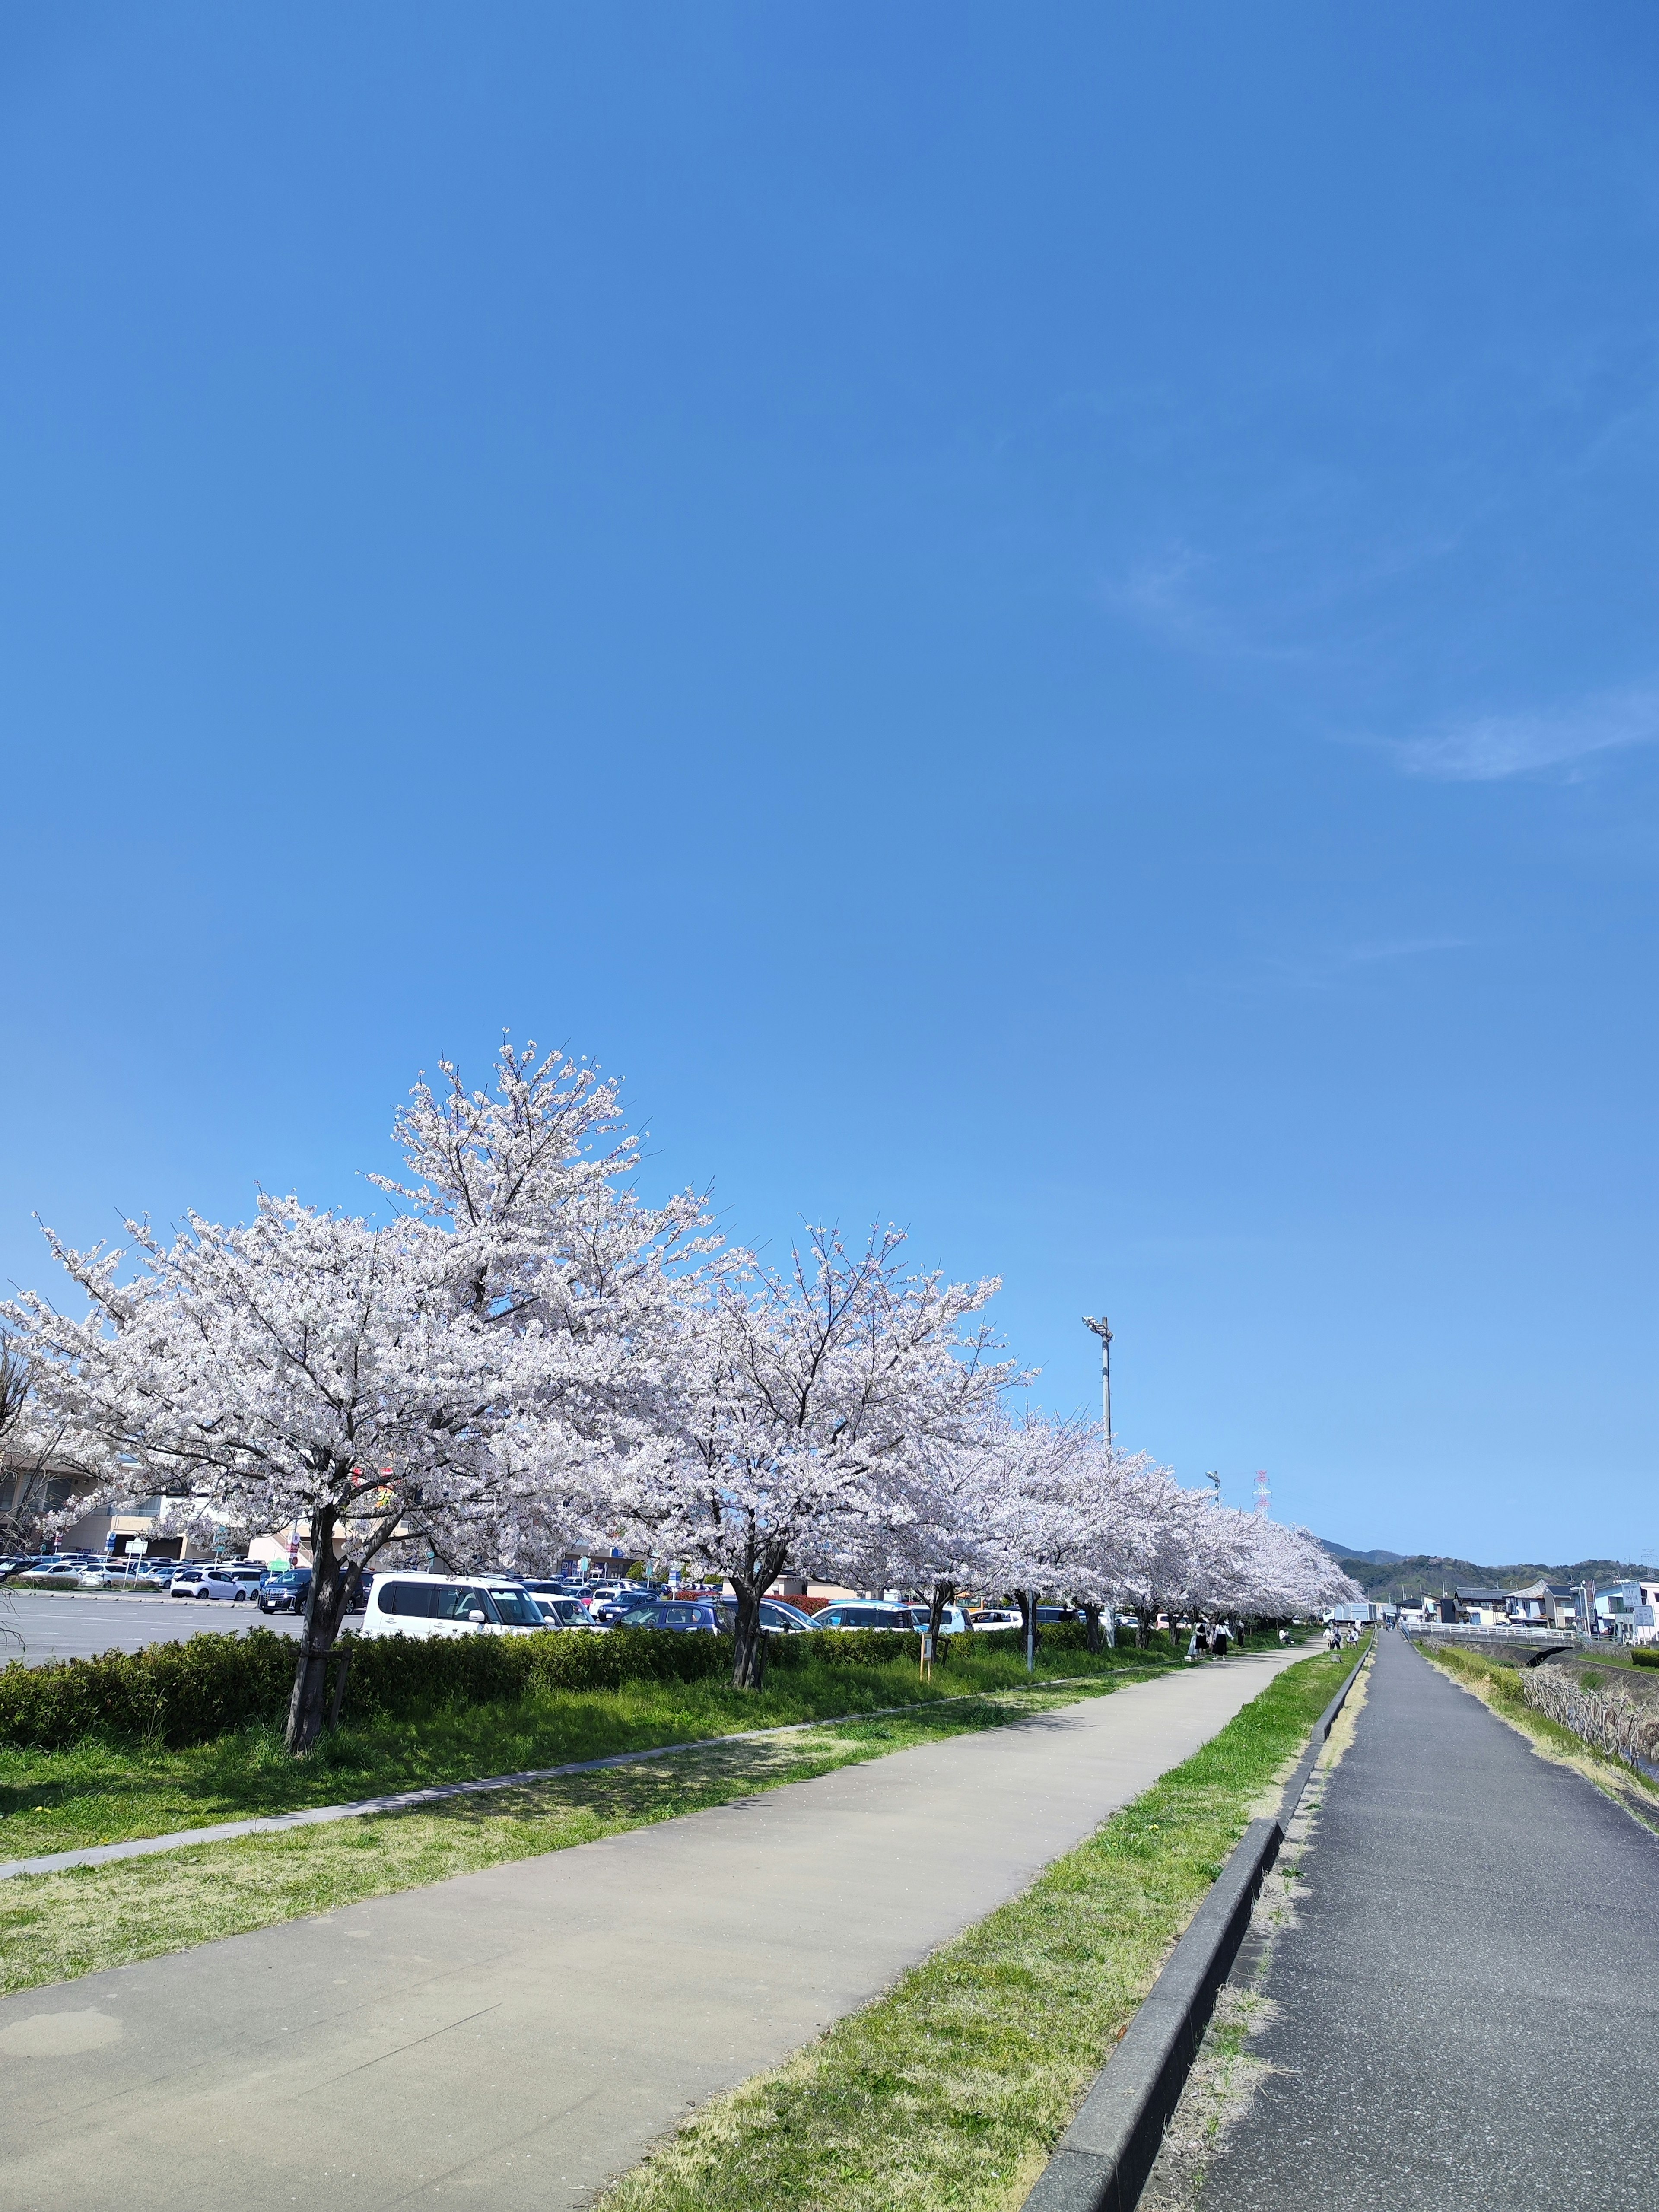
point(1104, 1333)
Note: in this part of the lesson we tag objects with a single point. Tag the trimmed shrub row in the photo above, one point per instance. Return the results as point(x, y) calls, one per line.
point(170, 1693)
point(177, 1694)
point(183, 1694)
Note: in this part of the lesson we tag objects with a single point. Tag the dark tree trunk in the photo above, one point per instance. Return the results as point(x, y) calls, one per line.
point(943, 1595)
point(749, 1659)
point(765, 1561)
point(1092, 1619)
point(326, 1605)
point(1027, 1622)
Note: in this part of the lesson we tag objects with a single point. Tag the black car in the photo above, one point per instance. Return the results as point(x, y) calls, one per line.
point(285, 1592)
point(671, 1615)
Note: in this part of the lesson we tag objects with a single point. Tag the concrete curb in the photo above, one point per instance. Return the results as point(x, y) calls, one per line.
point(1104, 2157)
point(404, 1800)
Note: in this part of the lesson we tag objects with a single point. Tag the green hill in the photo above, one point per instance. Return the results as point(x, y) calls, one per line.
point(1433, 1575)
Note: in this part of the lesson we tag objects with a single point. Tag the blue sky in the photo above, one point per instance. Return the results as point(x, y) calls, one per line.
point(1039, 621)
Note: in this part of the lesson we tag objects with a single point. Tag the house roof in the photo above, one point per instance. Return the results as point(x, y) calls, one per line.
point(1468, 1595)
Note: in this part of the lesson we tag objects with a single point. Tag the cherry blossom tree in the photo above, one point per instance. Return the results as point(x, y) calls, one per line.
point(806, 1397)
point(306, 1367)
point(450, 1381)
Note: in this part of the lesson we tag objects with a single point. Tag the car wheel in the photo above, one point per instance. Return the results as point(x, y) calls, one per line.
point(201, 1593)
point(238, 1597)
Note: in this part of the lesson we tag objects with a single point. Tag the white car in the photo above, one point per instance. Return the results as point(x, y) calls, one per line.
point(451, 1605)
point(994, 1616)
point(237, 1584)
point(953, 1621)
point(863, 1613)
point(559, 1612)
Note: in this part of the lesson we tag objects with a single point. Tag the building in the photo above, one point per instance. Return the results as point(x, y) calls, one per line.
point(1628, 1610)
point(1545, 1605)
point(1481, 1608)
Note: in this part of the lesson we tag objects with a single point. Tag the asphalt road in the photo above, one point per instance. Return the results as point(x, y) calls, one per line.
point(1468, 1999)
point(518, 2036)
point(62, 1625)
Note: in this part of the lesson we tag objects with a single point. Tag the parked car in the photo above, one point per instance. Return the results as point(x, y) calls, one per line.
point(777, 1617)
point(953, 1621)
point(609, 1609)
point(443, 1605)
point(120, 1574)
point(993, 1616)
point(848, 1613)
point(209, 1581)
point(700, 1615)
point(285, 1591)
point(563, 1612)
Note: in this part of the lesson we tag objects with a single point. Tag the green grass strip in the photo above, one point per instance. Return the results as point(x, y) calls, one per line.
point(109, 1791)
point(56, 1927)
point(953, 2089)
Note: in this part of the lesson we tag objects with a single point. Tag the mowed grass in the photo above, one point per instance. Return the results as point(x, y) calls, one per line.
point(56, 1927)
point(99, 1792)
point(951, 2090)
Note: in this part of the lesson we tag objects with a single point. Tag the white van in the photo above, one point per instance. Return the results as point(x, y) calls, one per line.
point(450, 1605)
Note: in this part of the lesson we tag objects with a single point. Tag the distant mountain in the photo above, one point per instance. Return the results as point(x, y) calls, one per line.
point(1386, 1575)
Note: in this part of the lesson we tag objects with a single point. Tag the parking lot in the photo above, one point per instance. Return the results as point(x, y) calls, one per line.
point(41, 1625)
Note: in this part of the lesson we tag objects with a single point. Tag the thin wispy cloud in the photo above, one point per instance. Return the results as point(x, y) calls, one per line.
point(1484, 748)
point(1319, 968)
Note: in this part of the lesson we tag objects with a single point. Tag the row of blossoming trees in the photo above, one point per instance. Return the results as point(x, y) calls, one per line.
point(524, 1353)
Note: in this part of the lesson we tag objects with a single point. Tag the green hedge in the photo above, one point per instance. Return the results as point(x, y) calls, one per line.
point(175, 1693)
point(184, 1693)
point(189, 1692)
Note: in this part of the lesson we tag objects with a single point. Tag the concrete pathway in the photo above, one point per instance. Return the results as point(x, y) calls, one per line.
point(1468, 2001)
point(527, 2031)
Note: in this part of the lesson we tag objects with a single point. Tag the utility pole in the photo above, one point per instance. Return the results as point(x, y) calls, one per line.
point(1104, 1333)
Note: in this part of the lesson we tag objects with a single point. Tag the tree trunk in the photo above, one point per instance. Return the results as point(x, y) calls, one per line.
point(748, 1660)
point(326, 1605)
point(1028, 1620)
point(943, 1595)
point(1091, 1618)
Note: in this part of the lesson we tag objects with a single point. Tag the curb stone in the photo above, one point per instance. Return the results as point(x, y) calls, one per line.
point(1101, 2161)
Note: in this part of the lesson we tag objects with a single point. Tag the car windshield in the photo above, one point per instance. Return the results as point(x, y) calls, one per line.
point(516, 1607)
point(639, 1616)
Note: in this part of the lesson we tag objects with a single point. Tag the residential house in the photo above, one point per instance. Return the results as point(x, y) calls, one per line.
point(1481, 1608)
point(1545, 1605)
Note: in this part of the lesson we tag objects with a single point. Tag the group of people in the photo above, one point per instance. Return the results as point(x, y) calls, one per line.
point(1215, 1637)
point(1338, 1632)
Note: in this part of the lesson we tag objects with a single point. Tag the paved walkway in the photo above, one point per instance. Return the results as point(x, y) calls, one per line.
point(1469, 1998)
point(527, 2031)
